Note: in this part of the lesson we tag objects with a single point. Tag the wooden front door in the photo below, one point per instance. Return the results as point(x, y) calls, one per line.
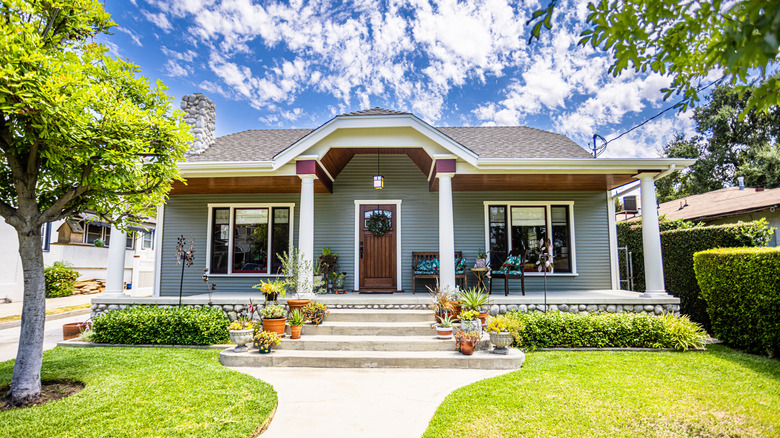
point(377, 253)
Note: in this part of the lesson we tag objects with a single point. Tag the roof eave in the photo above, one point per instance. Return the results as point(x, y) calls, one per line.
point(586, 165)
point(204, 169)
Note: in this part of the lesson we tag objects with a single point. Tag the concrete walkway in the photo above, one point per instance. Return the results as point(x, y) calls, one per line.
point(15, 308)
point(377, 403)
point(9, 338)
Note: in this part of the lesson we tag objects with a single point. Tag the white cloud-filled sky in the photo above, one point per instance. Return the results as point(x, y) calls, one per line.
point(296, 64)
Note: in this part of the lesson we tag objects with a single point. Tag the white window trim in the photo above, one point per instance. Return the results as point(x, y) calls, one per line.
point(548, 224)
point(232, 208)
point(358, 227)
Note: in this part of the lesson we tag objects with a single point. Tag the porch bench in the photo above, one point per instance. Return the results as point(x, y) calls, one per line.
point(512, 268)
point(425, 265)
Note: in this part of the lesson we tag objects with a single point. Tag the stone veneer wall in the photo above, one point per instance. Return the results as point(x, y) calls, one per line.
point(200, 113)
point(235, 310)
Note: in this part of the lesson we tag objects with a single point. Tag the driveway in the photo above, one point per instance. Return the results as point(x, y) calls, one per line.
point(9, 338)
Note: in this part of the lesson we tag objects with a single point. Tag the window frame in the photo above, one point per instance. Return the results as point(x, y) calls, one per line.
point(548, 224)
point(233, 208)
point(150, 233)
point(105, 233)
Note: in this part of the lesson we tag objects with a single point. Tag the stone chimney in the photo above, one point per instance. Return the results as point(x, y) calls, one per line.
point(200, 113)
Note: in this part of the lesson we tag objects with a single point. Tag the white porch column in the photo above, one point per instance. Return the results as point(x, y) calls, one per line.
point(306, 233)
point(446, 232)
point(115, 274)
point(651, 237)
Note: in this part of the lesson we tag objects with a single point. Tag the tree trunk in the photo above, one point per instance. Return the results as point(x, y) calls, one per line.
point(26, 381)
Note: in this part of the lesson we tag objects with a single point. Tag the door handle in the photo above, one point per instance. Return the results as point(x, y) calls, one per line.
point(361, 249)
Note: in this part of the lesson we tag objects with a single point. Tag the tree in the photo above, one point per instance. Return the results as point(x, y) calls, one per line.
point(78, 131)
point(687, 40)
point(732, 140)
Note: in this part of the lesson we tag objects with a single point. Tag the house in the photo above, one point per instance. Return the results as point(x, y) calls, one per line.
point(73, 241)
point(724, 206)
point(251, 195)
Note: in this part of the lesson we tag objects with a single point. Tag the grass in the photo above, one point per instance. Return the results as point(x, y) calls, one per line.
point(56, 311)
point(718, 393)
point(151, 392)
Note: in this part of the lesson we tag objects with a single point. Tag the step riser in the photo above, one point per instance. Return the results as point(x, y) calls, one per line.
point(387, 316)
point(367, 331)
point(496, 362)
point(433, 345)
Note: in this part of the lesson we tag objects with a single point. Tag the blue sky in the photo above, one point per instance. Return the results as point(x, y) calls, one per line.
point(296, 64)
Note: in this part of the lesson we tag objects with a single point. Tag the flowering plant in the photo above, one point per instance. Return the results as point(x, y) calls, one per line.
point(469, 315)
point(497, 325)
point(463, 336)
point(267, 339)
point(272, 289)
point(241, 324)
point(273, 311)
point(315, 312)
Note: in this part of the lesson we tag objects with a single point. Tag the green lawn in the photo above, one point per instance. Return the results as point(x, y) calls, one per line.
point(718, 393)
point(149, 392)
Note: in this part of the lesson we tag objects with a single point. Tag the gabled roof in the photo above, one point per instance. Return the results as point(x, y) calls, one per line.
point(485, 142)
point(721, 203)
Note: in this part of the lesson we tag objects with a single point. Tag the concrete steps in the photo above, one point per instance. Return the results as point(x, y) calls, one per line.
point(374, 359)
point(374, 338)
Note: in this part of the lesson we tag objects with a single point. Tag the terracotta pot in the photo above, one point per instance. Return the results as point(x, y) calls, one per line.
point(295, 331)
point(483, 318)
point(294, 304)
point(444, 332)
point(467, 348)
point(274, 325)
point(455, 309)
point(74, 329)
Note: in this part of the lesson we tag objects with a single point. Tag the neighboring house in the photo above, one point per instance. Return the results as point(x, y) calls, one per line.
point(73, 241)
point(724, 206)
point(253, 194)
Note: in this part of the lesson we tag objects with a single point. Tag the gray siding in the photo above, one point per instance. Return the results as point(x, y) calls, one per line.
point(335, 226)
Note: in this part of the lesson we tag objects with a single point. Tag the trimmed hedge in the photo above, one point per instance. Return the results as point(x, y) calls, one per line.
point(161, 325)
point(603, 330)
point(742, 289)
point(60, 279)
point(679, 241)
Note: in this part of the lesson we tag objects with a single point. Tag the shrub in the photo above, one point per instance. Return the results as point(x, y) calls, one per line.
point(742, 289)
point(60, 279)
point(680, 240)
point(162, 325)
point(603, 330)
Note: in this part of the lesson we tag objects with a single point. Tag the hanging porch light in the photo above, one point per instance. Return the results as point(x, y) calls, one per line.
point(379, 180)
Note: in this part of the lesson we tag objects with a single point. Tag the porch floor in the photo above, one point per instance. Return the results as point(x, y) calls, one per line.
point(532, 297)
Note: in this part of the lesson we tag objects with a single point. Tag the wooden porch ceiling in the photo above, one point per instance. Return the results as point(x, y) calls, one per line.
point(248, 184)
point(535, 182)
point(336, 159)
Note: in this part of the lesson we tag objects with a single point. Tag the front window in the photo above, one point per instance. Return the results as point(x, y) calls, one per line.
point(147, 239)
point(248, 239)
point(527, 226)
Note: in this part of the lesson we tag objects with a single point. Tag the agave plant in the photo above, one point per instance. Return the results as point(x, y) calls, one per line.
point(473, 299)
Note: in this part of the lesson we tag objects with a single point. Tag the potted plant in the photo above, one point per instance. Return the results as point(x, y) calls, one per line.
point(272, 289)
point(266, 340)
point(441, 302)
point(99, 242)
point(292, 266)
point(241, 331)
point(339, 279)
point(469, 321)
point(481, 261)
point(467, 341)
point(296, 323)
point(444, 327)
point(474, 299)
point(498, 329)
point(315, 312)
point(274, 318)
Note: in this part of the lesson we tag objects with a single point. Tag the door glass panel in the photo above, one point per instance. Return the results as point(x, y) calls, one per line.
point(250, 240)
point(370, 213)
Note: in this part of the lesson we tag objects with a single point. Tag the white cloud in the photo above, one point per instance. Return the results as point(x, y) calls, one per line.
point(176, 69)
point(159, 19)
point(133, 35)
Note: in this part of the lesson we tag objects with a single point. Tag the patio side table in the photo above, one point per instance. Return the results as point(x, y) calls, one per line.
point(481, 274)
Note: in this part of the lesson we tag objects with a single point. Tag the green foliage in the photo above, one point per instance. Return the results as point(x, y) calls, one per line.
point(60, 279)
point(742, 289)
point(473, 299)
point(273, 311)
point(601, 330)
point(297, 318)
point(162, 326)
point(142, 392)
point(689, 40)
point(78, 129)
point(680, 240)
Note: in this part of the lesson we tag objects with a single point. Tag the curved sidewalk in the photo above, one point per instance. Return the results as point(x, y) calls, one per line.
point(351, 402)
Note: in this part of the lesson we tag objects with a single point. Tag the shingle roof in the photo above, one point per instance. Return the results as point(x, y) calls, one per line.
point(515, 142)
point(720, 203)
point(375, 112)
point(486, 142)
